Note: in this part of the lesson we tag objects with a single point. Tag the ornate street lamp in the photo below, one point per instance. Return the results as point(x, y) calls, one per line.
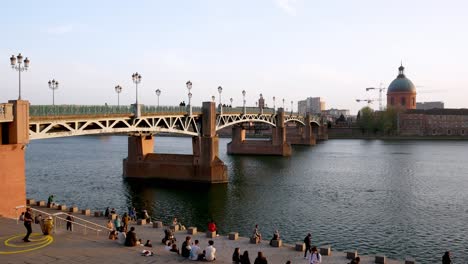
point(189, 87)
point(274, 106)
point(220, 90)
point(53, 85)
point(291, 107)
point(213, 98)
point(118, 90)
point(136, 77)
point(283, 104)
point(230, 100)
point(244, 109)
point(158, 93)
point(19, 60)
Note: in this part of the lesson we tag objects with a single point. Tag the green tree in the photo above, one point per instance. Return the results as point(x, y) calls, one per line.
point(366, 121)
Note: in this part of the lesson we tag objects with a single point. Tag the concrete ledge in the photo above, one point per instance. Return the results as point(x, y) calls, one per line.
point(351, 254)
point(379, 259)
point(30, 201)
point(86, 212)
point(410, 260)
point(97, 213)
point(141, 222)
point(277, 243)
point(157, 224)
point(300, 246)
point(174, 228)
point(233, 236)
point(73, 209)
point(62, 207)
point(210, 234)
point(192, 230)
point(325, 251)
point(41, 203)
point(254, 240)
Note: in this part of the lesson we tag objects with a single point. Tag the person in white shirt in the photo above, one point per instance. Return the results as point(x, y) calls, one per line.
point(121, 237)
point(315, 257)
point(210, 251)
point(195, 251)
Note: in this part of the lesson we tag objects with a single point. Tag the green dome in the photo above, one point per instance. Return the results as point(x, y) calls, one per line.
point(401, 83)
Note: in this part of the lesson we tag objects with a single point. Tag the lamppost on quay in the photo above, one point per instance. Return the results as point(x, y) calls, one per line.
point(189, 87)
point(118, 90)
point(230, 100)
point(243, 95)
point(53, 85)
point(283, 104)
point(158, 93)
point(19, 59)
point(136, 77)
point(274, 107)
point(213, 98)
point(220, 90)
point(291, 107)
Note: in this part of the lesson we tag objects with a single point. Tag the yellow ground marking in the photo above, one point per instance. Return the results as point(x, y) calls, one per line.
point(37, 244)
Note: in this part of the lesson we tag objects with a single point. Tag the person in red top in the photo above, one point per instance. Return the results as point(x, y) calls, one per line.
point(212, 227)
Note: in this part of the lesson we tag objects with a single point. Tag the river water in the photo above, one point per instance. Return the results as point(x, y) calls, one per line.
point(398, 198)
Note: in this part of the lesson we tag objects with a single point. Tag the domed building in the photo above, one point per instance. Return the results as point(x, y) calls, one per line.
point(401, 92)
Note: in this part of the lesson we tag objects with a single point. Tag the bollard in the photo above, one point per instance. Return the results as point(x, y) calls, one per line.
point(157, 224)
point(41, 203)
point(379, 259)
point(86, 212)
point(192, 230)
point(233, 236)
point(73, 209)
point(97, 213)
point(325, 251)
point(174, 228)
point(30, 201)
point(254, 240)
point(351, 254)
point(300, 246)
point(62, 207)
point(141, 222)
point(277, 243)
point(210, 234)
point(410, 260)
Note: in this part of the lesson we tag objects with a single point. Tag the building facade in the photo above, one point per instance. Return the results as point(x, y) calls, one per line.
point(430, 105)
point(433, 122)
point(401, 92)
point(313, 105)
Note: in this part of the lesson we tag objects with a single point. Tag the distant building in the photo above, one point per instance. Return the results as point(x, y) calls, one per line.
point(430, 105)
point(336, 113)
point(401, 92)
point(434, 122)
point(313, 105)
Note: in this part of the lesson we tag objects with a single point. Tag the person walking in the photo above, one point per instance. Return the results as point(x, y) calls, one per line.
point(70, 219)
point(308, 242)
point(28, 219)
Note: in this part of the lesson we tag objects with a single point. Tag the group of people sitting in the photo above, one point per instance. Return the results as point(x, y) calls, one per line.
point(193, 251)
point(237, 258)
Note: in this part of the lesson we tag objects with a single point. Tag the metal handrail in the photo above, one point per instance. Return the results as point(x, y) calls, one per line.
point(86, 221)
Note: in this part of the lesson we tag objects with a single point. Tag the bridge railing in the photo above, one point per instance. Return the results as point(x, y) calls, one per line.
point(249, 110)
point(6, 112)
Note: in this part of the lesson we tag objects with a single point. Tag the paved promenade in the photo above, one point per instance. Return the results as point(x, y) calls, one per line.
point(75, 247)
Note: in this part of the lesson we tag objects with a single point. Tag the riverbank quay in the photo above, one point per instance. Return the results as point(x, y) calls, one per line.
point(76, 247)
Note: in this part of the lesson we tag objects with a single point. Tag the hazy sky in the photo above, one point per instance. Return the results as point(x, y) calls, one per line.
point(290, 49)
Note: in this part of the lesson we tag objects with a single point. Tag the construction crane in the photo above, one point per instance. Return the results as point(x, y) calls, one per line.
point(380, 89)
point(369, 101)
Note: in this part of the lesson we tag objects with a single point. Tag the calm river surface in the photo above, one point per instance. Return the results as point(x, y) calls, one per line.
point(399, 198)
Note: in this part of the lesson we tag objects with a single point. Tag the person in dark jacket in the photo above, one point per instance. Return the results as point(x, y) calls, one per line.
point(185, 249)
point(244, 259)
point(131, 239)
point(308, 243)
point(446, 258)
point(28, 219)
point(236, 256)
point(260, 259)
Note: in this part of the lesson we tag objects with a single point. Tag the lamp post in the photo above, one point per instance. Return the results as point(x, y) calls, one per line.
point(220, 90)
point(158, 93)
point(274, 107)
point(118, 90)
point(230, 100)
point(213, 98)
point(291, 107)
point(283, 104)
point(189, 87)
point(53, 85)
point(243, 95)
point(136, 77)
point(19, 59)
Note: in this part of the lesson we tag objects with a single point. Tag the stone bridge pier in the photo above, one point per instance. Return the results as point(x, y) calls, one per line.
point(277, 145)
point(302, 134)
point(14, 135)
point(203, 166)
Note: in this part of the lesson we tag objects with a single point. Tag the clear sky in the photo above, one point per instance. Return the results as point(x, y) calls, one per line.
point(290, 49)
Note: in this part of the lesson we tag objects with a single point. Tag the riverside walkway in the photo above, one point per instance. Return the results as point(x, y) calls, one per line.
point(76, 247)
